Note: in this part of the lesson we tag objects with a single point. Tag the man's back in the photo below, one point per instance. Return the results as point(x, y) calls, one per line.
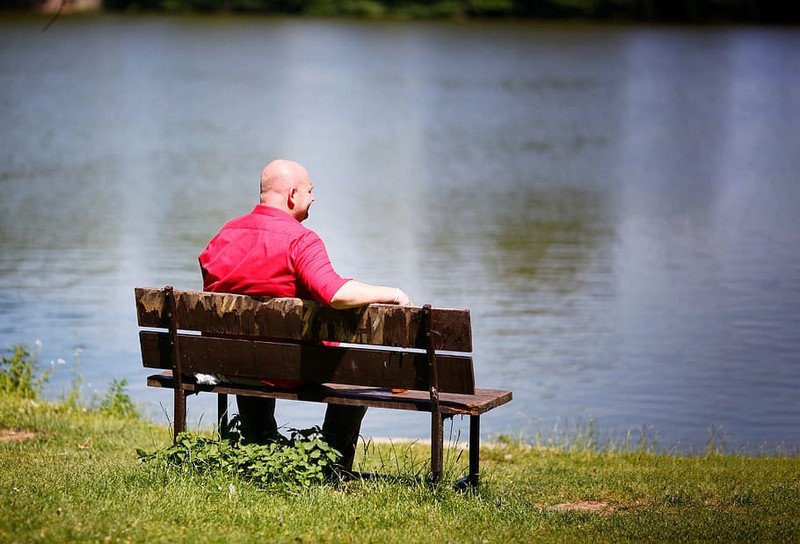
point(268, 253)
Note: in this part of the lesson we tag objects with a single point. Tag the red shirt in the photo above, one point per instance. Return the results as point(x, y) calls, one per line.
point(268, 253)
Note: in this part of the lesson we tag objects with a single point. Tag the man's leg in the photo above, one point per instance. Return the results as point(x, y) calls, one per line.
point(257, 417)
point(341, 428)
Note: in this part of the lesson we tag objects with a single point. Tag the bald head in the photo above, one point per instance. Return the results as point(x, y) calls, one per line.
point(287, 186)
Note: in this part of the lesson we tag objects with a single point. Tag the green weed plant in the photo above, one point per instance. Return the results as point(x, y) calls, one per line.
point(22, 377)
point(19, 375)
point(117, 402)
point(302, 460)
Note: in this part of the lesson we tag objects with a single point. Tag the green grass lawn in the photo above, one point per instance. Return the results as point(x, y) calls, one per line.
point(68, 474)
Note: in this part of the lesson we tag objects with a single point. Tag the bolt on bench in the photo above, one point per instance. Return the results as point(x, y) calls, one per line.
point(351, 357)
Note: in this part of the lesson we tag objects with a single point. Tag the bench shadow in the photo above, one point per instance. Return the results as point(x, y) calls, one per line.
point(342, 478)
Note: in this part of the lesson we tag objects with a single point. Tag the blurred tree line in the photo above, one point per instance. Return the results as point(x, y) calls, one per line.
point(690, 11)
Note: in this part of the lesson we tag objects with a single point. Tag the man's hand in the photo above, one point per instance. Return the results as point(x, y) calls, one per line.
point(402, 299)
point(355, 293)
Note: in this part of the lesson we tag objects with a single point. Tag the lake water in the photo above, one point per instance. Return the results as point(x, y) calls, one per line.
point(618, 206)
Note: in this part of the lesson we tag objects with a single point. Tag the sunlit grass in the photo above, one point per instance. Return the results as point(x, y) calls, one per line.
point(69, 473)
point(73, 475)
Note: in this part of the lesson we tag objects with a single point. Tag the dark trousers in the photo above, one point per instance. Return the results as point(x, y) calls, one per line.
point(340, 429)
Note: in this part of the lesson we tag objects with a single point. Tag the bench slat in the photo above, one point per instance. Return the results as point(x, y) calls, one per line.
point(476, 404)
point(303, 320)
point(308, 363)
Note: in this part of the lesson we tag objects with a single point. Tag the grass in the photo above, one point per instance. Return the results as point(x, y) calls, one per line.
point(71, 474)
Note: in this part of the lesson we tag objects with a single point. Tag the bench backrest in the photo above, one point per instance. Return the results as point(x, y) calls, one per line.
point(290, 339)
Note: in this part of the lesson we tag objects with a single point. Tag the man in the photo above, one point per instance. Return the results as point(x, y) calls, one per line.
point(268, 253)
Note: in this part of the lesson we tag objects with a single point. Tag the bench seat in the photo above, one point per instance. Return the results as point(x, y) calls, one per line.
point(450, 404)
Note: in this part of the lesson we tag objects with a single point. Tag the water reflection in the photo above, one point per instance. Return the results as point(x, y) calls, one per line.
point(616, 206)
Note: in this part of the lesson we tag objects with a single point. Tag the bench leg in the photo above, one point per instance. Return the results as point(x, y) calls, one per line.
point(222, 415)
point(179, 412)
point(471, 480)
point(437, 449)
point(474, 449)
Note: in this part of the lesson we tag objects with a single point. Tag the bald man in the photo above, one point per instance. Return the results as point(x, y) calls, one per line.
point(268, 253)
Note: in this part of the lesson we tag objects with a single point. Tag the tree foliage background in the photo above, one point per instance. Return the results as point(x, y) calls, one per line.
point(690, 11)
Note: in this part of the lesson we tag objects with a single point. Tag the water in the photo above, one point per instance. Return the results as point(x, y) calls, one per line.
point(618, 206)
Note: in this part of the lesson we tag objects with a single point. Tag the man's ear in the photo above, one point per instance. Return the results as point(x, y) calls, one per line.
point(290, 198)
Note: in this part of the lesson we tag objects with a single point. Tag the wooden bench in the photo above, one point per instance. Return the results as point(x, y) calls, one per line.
point(423, 350)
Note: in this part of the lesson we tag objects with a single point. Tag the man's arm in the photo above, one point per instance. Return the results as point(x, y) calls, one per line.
point(355, 293)
point(314, 270)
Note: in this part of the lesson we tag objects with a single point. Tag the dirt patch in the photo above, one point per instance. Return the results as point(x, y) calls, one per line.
point(15, 435)
point(599, 507)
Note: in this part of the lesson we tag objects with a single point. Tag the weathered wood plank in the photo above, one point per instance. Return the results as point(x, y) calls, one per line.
point(308, 363)
point(451, 404)
point(296, 319)
point(223, 313)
